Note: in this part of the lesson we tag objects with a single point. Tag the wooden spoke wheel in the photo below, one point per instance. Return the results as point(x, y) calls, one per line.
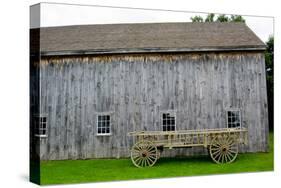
point(144, 154)
point(223, 149)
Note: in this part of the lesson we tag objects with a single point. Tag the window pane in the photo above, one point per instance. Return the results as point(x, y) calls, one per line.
point(172, 128)
point(238, 118)
point(168, 128)
point(164, 128)
point(229, 119)
point(43, 119)
point(99, 124)
point(107, 124)
point(43, 126)
point(99, 130)
point(228, 113)
point(107, 130)
point(168, 122)
point(107, 118)
point(168, 116)
point(164, 116)
point(173, 121)
point(99, 118)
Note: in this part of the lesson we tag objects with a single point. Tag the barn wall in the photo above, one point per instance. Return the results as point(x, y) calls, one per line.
point(135, 89)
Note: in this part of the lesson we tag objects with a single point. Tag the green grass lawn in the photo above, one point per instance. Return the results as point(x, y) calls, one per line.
point(77, 171)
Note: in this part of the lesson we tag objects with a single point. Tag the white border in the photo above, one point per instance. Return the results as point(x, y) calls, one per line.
point(15, 93)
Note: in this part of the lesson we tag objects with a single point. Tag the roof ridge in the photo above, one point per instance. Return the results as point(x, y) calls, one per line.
point(144, 23)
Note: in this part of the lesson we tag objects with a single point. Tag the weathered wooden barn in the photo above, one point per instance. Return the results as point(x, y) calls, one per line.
point(92, 84)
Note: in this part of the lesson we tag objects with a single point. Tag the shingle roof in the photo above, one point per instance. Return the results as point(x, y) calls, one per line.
point(147, 37)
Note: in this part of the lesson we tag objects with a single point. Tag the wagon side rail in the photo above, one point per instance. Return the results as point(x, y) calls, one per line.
point(189, 138)
point(218, 130)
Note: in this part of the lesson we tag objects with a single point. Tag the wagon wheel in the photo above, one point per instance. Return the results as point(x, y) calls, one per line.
point(223, 149)
point(144, 153)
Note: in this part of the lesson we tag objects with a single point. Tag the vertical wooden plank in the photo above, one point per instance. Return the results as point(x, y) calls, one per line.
point(200, 87)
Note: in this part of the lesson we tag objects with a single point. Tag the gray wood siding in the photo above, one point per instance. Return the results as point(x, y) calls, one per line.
point(135, 89)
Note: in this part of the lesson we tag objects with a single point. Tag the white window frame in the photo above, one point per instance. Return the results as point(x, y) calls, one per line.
point(172, 113)
point(97, 124)
point(38, 129)
point(233, 110)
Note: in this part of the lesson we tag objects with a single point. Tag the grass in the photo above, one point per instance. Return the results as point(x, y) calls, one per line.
point(77, 171)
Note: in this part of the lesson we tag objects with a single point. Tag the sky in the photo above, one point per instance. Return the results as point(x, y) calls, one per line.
point(62, 14)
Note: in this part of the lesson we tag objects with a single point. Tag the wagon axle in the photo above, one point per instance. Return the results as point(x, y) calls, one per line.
point(144, 154)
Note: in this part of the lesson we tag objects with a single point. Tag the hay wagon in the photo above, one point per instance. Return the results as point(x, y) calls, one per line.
point(222, 144)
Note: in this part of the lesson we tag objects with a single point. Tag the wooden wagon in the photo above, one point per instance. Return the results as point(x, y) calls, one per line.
point(222, 144)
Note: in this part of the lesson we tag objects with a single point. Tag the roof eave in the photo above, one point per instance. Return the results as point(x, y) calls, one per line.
point(149, 50)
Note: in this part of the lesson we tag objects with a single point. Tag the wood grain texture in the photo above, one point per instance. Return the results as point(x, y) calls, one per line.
point(135, 89)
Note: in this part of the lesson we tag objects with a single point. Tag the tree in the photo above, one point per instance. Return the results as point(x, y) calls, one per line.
point(196, 19)
point(269, 61)
point(220, 18)
point(237, 18)
point(210, 17)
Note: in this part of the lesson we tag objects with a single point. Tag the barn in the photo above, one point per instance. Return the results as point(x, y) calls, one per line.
point(92, 84)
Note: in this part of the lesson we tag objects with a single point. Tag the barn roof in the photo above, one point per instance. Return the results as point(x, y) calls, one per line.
point(146, 37)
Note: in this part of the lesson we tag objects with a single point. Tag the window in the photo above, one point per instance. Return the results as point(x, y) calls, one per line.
point(103, 125)
point(168, 122)
point(233, 119)
point(40, 125)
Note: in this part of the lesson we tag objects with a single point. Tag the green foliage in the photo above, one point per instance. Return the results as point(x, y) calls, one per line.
point(269, 55)
point(77, 171)
point(210, 17)
point(196, 19)
point(220, 18)
point(269, 64)
point(237, 18)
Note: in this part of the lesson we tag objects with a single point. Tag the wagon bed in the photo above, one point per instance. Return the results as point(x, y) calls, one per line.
point(222, 143)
